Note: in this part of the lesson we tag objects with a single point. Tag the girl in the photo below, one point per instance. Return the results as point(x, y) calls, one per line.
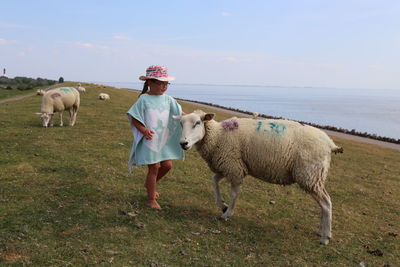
point(156, 133)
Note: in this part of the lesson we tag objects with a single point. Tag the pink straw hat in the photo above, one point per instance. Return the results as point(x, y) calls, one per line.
point(157, 72)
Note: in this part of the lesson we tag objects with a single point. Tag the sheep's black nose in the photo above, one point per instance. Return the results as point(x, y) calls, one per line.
point(184, 144)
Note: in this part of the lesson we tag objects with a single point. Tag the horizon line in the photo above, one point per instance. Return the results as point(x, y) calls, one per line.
point(260, 85)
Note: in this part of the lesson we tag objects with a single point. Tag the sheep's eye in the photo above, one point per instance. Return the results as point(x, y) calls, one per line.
point(197, 123)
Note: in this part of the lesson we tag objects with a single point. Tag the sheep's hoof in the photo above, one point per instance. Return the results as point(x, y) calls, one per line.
point(222, 218)
point(225, 216)
point(224, 209)
point(324, 241)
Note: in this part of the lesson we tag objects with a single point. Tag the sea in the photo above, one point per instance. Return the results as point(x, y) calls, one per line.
point(374, 111)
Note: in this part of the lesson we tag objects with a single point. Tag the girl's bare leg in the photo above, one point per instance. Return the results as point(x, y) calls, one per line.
point(165, 166)
point(151, 186)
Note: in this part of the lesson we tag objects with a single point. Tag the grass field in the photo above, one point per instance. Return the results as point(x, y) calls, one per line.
point(66, 199)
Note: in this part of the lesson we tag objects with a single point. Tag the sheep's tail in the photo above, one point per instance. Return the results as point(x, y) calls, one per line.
point(334, 148)
point(337, 149)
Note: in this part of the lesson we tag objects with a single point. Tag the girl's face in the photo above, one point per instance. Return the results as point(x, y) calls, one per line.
point(157, 87)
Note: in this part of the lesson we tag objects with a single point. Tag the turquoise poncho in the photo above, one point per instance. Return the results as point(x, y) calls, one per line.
point(155, 112)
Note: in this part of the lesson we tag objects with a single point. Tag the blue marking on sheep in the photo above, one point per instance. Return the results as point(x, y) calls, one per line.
point(66, 90)
point(274, 128)
point(259, 125)
point(277, 128)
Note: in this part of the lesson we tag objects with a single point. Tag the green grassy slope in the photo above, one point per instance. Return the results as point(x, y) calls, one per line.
point(66, 198)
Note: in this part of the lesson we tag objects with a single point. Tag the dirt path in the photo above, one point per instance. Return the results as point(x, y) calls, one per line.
point(14, 98)
point(329, 132)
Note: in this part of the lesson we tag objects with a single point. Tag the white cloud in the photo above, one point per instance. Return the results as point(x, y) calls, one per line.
point(6, 42)
point(226, 14)
point(22, 54)
point(121, 37)
point(180, 38)
point(231, 59)
point(92, 46)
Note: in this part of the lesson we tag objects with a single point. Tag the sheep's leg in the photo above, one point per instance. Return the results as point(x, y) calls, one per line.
point(73, 116)
point(217, 193)
point(61, 118)
point(235, 188)
point(325, 227)
point(75, 113)
point(51, 120)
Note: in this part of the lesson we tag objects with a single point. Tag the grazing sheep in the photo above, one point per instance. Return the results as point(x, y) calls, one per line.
point(275, 151)
point(80, 88)
point(58, 100)
point(104, 96)
point(40, 92)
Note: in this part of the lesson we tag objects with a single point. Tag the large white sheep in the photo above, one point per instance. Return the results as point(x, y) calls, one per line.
point(58, 100)
point(275, 151)
point(104, 96)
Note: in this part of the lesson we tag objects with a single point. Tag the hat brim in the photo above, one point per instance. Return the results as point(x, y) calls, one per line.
point(163, 79)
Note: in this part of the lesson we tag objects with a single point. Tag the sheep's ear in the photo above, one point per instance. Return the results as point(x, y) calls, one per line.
point(208, 116)
point(177, 117)
point(38, 113)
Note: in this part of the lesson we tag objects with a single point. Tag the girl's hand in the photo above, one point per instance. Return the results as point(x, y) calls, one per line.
point(148, 134)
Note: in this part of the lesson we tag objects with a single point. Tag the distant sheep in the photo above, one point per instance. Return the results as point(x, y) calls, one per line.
point(275, 151)
point(80, 88)
point(40, 92)
point(104, 96)
point(58, 100)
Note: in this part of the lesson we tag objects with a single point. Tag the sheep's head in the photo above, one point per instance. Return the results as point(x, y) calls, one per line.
point(46, 117)
point(193, 127)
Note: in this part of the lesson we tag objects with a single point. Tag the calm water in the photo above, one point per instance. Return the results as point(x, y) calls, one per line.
point(365, 110)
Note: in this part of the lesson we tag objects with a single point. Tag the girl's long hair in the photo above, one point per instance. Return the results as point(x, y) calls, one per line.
point(145, 88)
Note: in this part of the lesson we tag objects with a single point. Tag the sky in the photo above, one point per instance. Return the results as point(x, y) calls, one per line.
point(318, 43)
